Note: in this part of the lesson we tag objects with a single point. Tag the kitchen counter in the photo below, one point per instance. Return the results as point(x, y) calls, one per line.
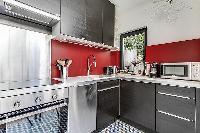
point(85, 80)
point(81, 80)
point(170, 82)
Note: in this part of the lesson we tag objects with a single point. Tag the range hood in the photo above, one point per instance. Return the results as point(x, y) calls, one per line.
point(22, 11)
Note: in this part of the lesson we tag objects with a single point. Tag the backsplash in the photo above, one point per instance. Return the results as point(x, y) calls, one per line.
point(79, 54)
point(183, 51)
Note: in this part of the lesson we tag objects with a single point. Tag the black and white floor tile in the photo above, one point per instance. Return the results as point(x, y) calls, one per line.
point(120, 127)
point(49, 122)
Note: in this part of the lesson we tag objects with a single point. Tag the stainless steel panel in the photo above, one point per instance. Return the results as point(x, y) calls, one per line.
point(24, 55)
point(30, 16)
point(82, 109)
point(12, 103)
point(38, 55)
point(4, 61)
point(16, 45)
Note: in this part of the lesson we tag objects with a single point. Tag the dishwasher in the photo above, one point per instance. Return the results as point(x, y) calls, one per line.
point(82, 108)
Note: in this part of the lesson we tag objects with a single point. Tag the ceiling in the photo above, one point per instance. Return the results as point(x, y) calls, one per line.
point(125, 4)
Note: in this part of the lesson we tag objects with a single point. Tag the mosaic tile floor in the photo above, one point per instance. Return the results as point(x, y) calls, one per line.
point(49, 122)
point(120, 127)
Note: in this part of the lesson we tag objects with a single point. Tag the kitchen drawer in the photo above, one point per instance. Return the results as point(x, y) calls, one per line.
point(198, 94)
point(107, 107)
point(170, 124)
point(107, 84)
point(175, 105)
point(181, 91)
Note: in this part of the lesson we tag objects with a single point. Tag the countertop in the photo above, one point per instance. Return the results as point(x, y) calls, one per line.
point(86, 80)
point(81, 80)
point(170, 82)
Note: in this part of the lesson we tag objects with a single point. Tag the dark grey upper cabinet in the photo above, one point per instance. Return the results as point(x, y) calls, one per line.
point(94, 20)
point(108, 23)
point(89, 19)
point(51, 6)
point(73, 18)
point(137, 103)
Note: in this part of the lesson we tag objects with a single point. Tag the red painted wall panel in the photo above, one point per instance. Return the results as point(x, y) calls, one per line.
point(183, 51)
point(79, 54)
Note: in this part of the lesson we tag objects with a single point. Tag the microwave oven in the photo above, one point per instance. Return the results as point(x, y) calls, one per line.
point(181, 70)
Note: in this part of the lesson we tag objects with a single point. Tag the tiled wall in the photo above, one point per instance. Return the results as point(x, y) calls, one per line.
point(79, 54)
point(183, 51)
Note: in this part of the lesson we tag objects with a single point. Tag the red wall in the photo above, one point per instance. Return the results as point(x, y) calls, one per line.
point(183, 51)
point(79, 54)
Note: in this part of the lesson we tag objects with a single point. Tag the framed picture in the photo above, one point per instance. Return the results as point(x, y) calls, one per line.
point(132, 47)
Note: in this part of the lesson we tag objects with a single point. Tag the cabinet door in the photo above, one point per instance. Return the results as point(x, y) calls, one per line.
point(51, 6)
point(169, 124)
point(137, 103)
point(107, 107)
point(73, 18)
point(94, 20)
point(108, 22)
point(198, 109)
point(175, 109)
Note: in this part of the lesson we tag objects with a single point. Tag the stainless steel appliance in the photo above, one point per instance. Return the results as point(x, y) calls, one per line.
point(24, 54)
point(182, 70)
point(110, 70)
point(21, 100)
point(20, 10)
point(82, 108)
point(154, 70)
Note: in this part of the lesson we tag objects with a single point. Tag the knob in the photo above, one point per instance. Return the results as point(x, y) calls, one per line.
point(17, 104)
point(55, 96)
point(37, 100)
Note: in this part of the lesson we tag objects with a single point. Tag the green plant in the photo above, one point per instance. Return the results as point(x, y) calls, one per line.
point(135, 42)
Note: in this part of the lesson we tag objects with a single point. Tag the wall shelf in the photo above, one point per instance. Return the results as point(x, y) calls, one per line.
point(78, 41)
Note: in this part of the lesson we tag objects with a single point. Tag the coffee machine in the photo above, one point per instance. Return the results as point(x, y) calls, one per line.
point(152, 70)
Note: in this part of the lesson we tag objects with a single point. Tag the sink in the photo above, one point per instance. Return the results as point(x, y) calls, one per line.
point(96, 77)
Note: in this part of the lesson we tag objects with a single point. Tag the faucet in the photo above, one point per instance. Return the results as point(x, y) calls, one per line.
point(90, 64)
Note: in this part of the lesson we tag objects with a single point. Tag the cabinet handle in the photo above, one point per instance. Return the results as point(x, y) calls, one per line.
point(108, 88)
point(173, 95)
point(128, 79)
point(176, 116)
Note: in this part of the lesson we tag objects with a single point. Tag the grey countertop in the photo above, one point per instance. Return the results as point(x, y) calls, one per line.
point(84, 80)
point(170, 82)
point(81, 80)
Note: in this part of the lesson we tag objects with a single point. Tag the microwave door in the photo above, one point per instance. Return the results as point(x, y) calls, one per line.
point(181, 71)
point(175, 70)
point(168, 70)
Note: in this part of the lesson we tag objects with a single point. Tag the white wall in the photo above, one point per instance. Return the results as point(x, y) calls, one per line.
point(183, 21)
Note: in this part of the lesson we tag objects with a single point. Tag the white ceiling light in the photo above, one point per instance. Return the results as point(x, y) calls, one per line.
point(32, 9)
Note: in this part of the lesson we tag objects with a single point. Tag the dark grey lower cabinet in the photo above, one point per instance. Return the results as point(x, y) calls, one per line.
point(175, 109)
point(137, 103)
point(198, 110)
point(170, 124)
point(107, 107)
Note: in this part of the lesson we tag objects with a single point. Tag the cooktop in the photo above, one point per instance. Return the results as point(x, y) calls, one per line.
point(12, 85)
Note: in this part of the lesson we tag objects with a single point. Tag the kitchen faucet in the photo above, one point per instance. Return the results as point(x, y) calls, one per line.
point(93, 58)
